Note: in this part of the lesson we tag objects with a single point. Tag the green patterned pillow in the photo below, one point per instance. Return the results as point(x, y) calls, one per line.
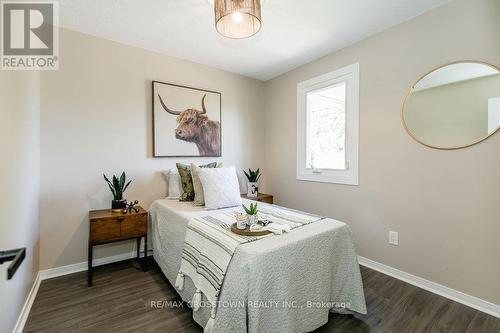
point(187, 180)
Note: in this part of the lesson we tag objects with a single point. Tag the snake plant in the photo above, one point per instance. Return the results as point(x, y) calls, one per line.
point(118, 186)
point(252, 176)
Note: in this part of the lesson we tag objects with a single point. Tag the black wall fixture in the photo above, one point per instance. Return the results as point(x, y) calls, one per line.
point(16, 256)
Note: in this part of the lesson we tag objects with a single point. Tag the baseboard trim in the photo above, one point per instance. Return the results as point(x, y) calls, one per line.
point(433, 287)
point(25, 311)
point(82, 266)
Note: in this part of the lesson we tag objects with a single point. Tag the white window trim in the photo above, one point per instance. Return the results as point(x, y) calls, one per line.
point(350, 75)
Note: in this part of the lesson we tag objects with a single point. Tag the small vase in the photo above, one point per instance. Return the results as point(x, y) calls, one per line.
point(252, 189)
point(251, 219)
point(118, 205)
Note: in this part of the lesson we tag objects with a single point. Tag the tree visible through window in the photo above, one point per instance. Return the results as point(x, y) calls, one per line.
point(326, 128)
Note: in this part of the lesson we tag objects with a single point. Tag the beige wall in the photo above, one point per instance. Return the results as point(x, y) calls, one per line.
point(19, 186)
point(96, 117)
point(444, 204)
point(452, 115)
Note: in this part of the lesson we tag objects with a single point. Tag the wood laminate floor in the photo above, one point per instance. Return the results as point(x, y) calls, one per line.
point(120, 301)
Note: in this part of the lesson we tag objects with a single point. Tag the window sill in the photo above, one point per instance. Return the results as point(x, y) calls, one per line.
point(346, 179)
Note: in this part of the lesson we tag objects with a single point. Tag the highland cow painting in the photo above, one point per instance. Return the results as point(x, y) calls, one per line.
point(186, 121)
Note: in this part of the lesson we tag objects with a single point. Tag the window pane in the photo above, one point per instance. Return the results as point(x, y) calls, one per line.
point(326, 123)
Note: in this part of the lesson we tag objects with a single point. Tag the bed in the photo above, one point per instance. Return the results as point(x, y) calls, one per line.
point(281, 283)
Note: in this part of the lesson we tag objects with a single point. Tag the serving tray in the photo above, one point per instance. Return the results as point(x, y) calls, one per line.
point(247, 231)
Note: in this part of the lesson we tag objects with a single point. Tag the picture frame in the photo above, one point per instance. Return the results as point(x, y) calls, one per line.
point(186, 121)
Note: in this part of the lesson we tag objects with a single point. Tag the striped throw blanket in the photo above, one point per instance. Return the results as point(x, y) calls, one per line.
point(210, 245)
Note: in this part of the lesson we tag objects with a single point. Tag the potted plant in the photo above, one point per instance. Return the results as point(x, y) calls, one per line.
point(117, 188)
point(252, 185)
point(251, 213)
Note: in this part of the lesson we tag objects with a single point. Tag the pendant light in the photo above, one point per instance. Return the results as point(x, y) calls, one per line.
point(237, 18)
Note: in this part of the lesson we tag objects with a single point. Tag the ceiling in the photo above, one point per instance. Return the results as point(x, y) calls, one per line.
point(294, 32)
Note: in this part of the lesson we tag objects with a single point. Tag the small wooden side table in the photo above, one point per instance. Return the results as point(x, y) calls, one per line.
point(267, 198)
point(108, 227)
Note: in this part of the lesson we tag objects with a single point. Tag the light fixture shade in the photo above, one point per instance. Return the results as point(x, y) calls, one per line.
point(237, 18)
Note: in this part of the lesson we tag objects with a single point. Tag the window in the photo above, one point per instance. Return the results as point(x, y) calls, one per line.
point(327, 125)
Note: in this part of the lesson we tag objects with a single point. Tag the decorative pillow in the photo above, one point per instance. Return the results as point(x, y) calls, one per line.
point(187, 193)
point(220, 187)
point(199, 198)
point(173, 180)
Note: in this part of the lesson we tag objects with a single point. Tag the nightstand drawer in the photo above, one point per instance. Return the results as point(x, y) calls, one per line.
point(133, 226)
point(104, 230)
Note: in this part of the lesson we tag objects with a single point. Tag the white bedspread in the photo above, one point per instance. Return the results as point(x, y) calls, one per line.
point(287, 283)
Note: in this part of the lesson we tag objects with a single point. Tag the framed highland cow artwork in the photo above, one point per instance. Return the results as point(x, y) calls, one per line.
point(186, 121)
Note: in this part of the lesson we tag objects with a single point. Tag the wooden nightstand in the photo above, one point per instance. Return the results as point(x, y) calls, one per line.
point(108, 227)
point(267, 198)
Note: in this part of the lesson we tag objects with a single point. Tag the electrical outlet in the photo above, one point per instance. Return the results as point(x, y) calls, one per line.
point(393, 238)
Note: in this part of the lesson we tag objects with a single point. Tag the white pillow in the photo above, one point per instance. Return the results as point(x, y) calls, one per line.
point(199, 197)
point(220, 187)
point(174, 185)
point(243, 181)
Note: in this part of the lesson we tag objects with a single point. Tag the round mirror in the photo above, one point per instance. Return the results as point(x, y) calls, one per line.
point(454, 106)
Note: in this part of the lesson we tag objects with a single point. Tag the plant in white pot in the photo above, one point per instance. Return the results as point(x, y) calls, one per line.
point(252, 184)
point(251, 213)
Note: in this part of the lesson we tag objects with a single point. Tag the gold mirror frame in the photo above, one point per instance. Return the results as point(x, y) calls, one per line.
point(413, 86)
